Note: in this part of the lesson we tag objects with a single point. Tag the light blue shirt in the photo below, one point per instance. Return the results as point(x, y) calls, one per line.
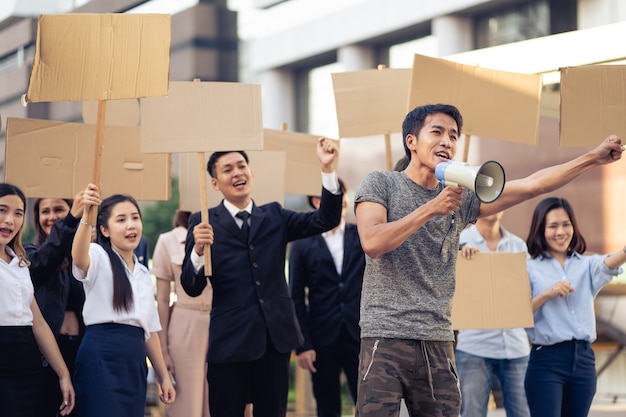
point(571, 317)
point(496, 343)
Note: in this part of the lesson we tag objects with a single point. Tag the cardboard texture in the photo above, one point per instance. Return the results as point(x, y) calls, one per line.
point(55, 159)
point(593, 104)
point(118, 112)
point(492, 292)
point(302, 172)
point(81, 57)
point(269, 180)
point(494, 104)
point(202, 117)
point(371, 102)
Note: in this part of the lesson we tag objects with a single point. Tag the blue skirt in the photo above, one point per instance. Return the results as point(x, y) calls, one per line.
point(21, 372)
point(110, 372)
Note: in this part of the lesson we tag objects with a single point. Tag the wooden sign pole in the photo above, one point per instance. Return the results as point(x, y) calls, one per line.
point(92, 214)
point(388, 151)
point(468, 139)
point(204, 211)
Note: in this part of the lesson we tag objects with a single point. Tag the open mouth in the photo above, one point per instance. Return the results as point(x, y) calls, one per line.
point(443, 155)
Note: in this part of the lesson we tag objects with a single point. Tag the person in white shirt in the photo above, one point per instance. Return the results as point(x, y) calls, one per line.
point(482, 354)
point(120, 313)
point(23, 330)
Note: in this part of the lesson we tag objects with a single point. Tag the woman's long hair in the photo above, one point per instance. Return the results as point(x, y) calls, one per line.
point(16, 242)
point(41, 236)
point(181, 218)
point(122, 290)
point(536, 240)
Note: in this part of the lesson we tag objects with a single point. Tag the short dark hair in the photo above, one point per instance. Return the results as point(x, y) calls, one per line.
point(414, 120)
point(536, 240)
point(342, 187)
point(210, 166)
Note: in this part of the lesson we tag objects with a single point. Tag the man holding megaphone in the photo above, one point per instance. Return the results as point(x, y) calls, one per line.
point(409, 224)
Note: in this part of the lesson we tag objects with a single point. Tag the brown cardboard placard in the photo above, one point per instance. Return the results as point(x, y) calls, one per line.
point(118, 113)
point(81, 57)
point(593, 104)
point(54, 159)
point(494, 104)
point(268, 168)
point(492, 292)
point(371, 102)
point(202, 117)
point(302, 172)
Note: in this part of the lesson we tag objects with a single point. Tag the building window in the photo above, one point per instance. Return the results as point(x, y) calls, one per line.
point(518, 23)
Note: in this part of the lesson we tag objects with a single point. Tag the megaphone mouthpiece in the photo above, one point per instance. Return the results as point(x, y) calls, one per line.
point(483, 180)
point(486, 180)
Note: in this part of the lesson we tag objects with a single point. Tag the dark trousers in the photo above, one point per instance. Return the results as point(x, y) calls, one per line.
point(52, 399)
point(21, 376)
point(561, 379)
point(343, 354)
point(264, 382)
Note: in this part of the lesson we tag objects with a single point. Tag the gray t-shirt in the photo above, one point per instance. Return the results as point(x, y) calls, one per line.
point(407, 293)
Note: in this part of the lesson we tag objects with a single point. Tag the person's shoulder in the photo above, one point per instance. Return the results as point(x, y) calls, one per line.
point(273, 206)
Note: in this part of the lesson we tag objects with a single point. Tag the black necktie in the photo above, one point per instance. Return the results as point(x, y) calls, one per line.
point(245, 227)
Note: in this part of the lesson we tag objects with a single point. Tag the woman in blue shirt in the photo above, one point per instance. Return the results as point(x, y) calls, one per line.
point(561, 374)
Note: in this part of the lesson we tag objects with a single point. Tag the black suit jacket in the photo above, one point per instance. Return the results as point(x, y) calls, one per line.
point(250, 293)
point(333, 299)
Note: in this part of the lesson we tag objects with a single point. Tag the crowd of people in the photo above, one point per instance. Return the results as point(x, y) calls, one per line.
point(372, 300)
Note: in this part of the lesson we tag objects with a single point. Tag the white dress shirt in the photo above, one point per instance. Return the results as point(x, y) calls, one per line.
point(16, 292)
point(98, 284)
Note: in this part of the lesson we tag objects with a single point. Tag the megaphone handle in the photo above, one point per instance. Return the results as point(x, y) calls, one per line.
point(451, 184)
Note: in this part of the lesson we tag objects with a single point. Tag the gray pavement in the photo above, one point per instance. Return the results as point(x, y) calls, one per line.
point(597, 410)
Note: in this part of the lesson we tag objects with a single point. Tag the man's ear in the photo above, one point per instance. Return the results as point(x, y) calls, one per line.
point(214, 184)
point(411, 141)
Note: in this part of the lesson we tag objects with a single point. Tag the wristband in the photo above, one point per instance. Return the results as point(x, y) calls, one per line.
point(84, 223)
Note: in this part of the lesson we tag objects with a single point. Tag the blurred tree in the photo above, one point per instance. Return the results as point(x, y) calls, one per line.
point(158, 217)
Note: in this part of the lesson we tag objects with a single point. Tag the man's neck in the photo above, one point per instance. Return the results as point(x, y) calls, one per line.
point(422, 175)
point(491, 232)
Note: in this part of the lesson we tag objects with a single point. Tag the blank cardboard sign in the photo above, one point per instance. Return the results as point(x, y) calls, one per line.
point(269, 180)
point(54, 159)
point(203, 117)
point(492, 292)
point(494, 104)
point(593, 104)
point(81, 57)
point(302, 172)
point(371, 102)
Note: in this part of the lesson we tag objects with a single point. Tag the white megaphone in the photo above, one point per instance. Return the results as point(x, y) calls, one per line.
point(486, 180)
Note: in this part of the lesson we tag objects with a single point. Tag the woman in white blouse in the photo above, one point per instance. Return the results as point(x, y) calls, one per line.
point(120, 313)
point(23, 330)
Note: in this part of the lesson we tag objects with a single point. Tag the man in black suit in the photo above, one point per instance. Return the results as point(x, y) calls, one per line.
point(325, 276)
point(253, 323)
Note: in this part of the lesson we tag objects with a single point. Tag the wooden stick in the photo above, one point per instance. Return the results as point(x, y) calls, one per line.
point(92, 215)
point(388, 151)
point(468, 139)
point(204, 211)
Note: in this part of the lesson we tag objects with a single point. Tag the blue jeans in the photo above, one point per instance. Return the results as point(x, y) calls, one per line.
point(561, 379)
point(475, 375)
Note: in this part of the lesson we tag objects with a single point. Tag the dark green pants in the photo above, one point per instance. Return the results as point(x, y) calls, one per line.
point(421, 372)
